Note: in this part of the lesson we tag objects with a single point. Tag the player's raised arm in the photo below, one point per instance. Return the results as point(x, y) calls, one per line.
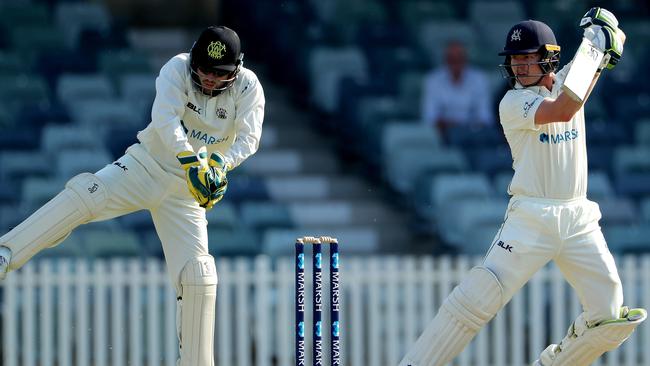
point(602, 47)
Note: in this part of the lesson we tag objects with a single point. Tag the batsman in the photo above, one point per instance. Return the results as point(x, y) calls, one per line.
point(549, 216)
point(206, 119)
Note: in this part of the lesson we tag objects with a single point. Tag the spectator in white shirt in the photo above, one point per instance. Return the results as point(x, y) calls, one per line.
point(456, 93)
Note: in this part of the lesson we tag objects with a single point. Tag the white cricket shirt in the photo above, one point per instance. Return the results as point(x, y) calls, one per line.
point(550, 160)
point(183, 118)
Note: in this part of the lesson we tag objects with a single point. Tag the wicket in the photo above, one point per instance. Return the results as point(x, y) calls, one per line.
point(317, 298)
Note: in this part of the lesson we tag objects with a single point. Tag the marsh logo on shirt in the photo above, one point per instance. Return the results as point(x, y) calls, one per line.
point(557, 138)
point(207, 139)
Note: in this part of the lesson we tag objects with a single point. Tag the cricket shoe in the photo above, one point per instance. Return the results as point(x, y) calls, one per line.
point(5, 258)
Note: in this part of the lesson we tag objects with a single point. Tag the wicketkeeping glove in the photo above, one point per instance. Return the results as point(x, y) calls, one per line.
point(206, 179)
point(601, 28)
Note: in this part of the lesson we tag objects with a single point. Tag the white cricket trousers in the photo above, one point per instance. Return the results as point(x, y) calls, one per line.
point(536, 231)
point(139, 182)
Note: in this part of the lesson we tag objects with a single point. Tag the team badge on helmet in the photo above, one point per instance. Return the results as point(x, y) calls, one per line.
point(516, 35)
point(216, 50)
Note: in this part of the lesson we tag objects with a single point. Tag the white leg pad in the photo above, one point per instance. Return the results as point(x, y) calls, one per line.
point(584, 344)
point(83, 197)
point(197, 312)
point(472, 304)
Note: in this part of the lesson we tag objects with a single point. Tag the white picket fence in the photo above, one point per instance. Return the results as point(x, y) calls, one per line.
point(122, 312)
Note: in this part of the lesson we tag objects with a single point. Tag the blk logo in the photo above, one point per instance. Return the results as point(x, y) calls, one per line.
point(504, 246)
point(120, 165)
point(193, 107)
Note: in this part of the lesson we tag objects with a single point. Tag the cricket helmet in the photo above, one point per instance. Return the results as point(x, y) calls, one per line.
point(531, 36)
point(217, 50)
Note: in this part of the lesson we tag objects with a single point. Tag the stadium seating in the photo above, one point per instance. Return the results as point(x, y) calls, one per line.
point(223, 216)
point(74, 17)
point(628, 238)
point(407, 164)
point(76, 86)
point(434, 193)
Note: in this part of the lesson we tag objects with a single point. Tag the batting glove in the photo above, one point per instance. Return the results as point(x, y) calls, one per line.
point(601, 28)
point(599, 16)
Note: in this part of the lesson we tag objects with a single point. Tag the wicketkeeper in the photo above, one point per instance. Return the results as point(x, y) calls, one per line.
point(206, 119)
point(549, 216)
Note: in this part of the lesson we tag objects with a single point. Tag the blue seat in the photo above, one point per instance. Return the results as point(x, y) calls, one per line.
point(55, 138)
point(458, 220)
point(324, 80)
point(491, 160)
point(409, 163)
point(116, 63)
point(44, 114)
point(72, 162)
point(635, 185)
point(73, 17)
point(436, 191)
point(434, 34)
point(599, 186)
point(223, 216)
point(19, 90)
point(36, 38)
point(106, 244)
point(475, 136)
point(630, 159)
point(642, 132)
point(617, 211)
point(19, 140)
point(628, 238)
point(244, 187)
point(262, 215)
point(603, 133)
point(72, 247)
point(25, 13)
point(323, 213)
point(233, 243)
point(645, 209)
point(396, 135)
point(54, 63)
point(412, 13)
point(107, 114)
point(73, 88)
point(119, 138)
point(139, 89)
point(139, 221)
point(600, 157)
point(13, 63)
point(36, 191)
point(16, 165)
point(501, 182)
point(354, 240)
